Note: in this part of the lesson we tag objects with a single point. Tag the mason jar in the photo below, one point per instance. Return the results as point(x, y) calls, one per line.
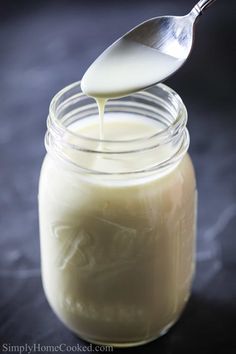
point(117, 218)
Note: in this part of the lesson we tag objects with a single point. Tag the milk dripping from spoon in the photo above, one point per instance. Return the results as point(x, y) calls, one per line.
point(143, 57)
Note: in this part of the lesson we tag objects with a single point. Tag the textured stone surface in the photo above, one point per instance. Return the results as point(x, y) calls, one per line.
point(46, 45)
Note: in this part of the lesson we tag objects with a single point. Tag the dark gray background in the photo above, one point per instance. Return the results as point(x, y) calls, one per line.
point(45, 45)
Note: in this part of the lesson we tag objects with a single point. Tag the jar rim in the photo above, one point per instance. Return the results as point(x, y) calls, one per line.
point(59, 127)
point(158, 102)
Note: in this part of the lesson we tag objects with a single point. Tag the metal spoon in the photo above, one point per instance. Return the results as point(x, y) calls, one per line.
point(144, 56)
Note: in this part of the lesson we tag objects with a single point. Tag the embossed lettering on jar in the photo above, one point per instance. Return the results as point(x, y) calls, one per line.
point(117, 217)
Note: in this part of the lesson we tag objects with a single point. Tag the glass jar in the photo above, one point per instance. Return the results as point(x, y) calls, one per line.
point(117, 238)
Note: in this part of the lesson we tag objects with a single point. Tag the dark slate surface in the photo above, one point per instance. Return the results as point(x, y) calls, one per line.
point(46, 45)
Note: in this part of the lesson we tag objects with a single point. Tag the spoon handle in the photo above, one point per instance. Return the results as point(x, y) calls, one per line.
point(202, 5)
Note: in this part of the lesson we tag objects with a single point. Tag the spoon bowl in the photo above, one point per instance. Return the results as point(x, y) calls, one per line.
point(145, 56)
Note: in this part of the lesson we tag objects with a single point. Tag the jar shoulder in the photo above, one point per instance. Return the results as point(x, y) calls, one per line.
point(57, 176)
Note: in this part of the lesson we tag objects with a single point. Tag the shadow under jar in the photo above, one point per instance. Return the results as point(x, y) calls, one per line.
point(117, 217)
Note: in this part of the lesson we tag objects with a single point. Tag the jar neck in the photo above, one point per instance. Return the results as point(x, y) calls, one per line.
point(154, 153)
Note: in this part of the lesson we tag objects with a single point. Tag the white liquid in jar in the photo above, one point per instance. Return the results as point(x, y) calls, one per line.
point(119, 127)
point(118, 257)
